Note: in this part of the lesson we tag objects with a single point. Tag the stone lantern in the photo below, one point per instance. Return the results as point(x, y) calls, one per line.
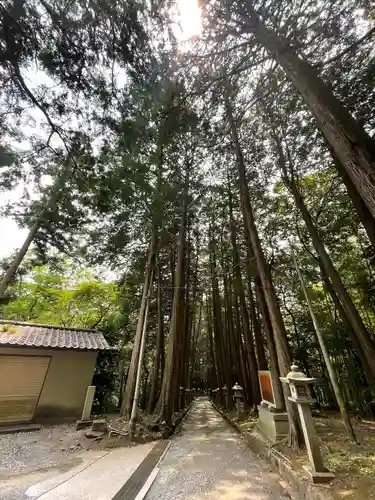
point(299, 385)
point(218, 396)
point(237, 395)
point(225, 394)
point(216, 393)
point(181, 395)
point(191, 393)
point(188, 395)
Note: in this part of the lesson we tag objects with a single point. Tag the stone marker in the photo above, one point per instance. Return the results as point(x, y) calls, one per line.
point(86, 413)
point(271, 396)
point(273, 421)
point(300, 390)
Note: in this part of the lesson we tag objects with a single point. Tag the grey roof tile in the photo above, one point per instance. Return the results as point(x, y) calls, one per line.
point(17, 333)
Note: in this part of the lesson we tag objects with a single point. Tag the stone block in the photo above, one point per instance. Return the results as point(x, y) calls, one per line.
point(99, 425)
point(94, 434)
point(273, 426)
point(319, 477)
point(83, 424)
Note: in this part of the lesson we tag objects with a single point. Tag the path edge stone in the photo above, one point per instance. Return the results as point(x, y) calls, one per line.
point(302, 487)
point(135, 485)
point(155, 470)
point(182, 419)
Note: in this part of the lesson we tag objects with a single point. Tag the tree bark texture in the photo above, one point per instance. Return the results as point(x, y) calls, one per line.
point(128, 395)
point(238, 283)
point(330, 368)
point(17, 261)
point(258, 336)
point(217, 321)
point(157, 368)
point(170, 384)
point(352, 314)
point(348, 140)
point(278, 327)
point(348, 327)
point(363, 212)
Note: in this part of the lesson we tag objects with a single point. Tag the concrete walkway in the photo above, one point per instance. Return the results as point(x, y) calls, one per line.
point(95, 475)
point(208, 460)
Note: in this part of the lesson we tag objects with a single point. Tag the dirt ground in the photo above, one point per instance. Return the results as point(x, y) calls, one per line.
point(51, 446)
point(28, 451)
point(48, 447)
point(353, 464)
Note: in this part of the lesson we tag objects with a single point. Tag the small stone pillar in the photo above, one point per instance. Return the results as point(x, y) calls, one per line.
point(300, 394)
point(237, 395)
point(87, 407)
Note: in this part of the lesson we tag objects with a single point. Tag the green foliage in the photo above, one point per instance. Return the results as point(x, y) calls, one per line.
point(75, 298)
point(71, 300)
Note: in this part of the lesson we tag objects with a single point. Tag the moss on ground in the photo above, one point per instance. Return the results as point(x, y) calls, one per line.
point(353, 464)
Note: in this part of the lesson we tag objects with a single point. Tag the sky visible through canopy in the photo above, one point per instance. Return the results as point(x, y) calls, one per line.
point(12, 235)
point(190, 16)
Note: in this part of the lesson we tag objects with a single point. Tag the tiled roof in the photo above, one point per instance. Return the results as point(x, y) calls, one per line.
point(17, 333)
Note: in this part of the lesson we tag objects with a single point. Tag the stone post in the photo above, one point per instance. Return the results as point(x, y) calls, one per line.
point(87, 407)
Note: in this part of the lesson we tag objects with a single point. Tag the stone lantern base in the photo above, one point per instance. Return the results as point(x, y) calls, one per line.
point(273, 425)
point(319, 477)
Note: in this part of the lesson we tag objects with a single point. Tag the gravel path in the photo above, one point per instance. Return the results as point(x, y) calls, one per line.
point(208, 460)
